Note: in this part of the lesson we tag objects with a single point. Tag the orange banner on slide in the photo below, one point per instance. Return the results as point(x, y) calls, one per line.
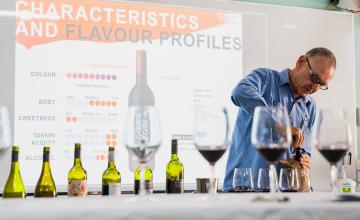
point(44, 21)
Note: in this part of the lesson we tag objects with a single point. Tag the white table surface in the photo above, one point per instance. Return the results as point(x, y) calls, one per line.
point(188, 206)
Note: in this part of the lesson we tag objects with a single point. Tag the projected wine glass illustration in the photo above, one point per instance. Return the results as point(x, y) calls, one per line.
point(142, 136)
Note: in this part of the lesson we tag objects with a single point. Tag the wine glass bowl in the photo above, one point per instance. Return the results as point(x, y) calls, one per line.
point(211, 130)
point(332, 137)
point(289, 180)
point(243, 180)
point(263, 183)
point(271, 136)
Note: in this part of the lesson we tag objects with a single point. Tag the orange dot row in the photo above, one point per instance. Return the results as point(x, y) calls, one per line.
point(101, 157)
point(111, 136)
point(71, 119)
point(102, 103)
point(111, 143)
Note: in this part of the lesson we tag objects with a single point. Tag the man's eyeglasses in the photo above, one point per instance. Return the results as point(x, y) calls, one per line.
point(315, 79)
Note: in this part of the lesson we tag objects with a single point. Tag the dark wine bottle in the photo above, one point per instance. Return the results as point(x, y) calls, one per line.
point(174, 171)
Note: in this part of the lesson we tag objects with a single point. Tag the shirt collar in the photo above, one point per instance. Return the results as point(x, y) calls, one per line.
point(284, 79)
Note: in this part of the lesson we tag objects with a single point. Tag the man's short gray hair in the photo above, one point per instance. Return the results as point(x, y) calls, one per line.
point(322, 52)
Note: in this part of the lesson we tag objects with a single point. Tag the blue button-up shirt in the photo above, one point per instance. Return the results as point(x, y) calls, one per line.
point(264, 87)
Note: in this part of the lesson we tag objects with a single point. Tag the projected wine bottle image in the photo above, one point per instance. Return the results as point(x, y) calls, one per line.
point(141, 95)
point(45, 186)
point(14, 187)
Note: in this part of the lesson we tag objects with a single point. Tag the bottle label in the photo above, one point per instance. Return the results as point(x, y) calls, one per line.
point(77, 188)
point(114, 189)
point(148, 186)
point(174, 186)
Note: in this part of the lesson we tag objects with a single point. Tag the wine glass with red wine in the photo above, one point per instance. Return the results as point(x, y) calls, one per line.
point(332, 138)
point(211, 130)
point(271, 136)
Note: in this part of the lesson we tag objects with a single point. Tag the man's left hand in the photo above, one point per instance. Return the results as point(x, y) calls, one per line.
point(305, 161)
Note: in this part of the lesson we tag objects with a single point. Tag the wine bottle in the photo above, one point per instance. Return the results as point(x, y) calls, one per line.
point(148, 180)
point(174, 171)
point(45, 186)
point(14, 187)
point(140, 95)
point(111, 177)
point(77, 176)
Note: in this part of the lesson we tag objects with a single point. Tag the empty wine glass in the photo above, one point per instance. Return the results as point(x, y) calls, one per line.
point(271, 136)
point(263, 183)
point(243, 180)
point(332, 138)
point(289, 180)
point(211, 130)
point(142, 136)
point(5, 131)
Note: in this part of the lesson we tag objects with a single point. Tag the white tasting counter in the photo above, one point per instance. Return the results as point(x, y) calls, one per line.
point(188, 206)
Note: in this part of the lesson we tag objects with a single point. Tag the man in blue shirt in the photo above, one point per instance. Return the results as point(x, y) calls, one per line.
point(291, 88)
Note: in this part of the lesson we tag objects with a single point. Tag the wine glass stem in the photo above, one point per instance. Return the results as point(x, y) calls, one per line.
point(212, 190)
point(273, 178)
point(142, 185)
point(334, 175)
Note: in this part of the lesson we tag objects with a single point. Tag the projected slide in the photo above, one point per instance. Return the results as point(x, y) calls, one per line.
point(76, 65)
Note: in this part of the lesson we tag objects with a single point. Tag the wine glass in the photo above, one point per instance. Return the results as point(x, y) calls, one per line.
point(243, 180)
point(5, 131)
point(271, 136)
point(289, 180)
point(211, 130)
point(263, 183)
point(142, 137)
point(332, 138)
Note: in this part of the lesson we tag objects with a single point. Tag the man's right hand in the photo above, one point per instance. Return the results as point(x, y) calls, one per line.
point(297, 137)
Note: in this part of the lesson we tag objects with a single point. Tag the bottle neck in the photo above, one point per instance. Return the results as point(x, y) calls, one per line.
point(46, 161)
point(77, 158)
point(141, 67)
point(15, 166)
point(174, 150)
point(174, 156)
point(111, 163)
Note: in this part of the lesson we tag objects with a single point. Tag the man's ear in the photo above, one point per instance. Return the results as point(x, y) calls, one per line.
point(300, 61)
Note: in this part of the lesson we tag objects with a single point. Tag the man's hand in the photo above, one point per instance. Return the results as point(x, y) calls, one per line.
point(297, 137)
point(305, 161)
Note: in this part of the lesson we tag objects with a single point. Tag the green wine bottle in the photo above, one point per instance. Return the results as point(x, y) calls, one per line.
point(148, 180)
point(174, 171)
point(77, 176)
point(45, 186)
point(14, 187)
point(111, 177)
